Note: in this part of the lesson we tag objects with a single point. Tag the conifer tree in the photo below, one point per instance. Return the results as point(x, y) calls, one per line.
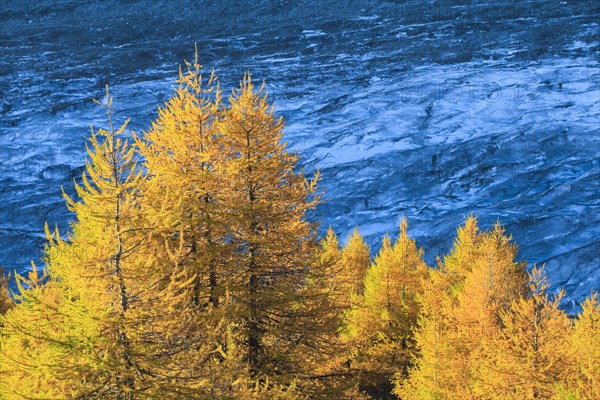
point(330, 278)
point(436, 338)
point(6, 301)
point(180, 154)
point(354, 263)
point(330, 254)
point(28, 364)
point(264, 204)
point(585, 342)
point(380, 328)
point(325, 284)
point(205, 179)
point(103, 324)
point(530, 356)
point(327, 291)
point(495, 279)
point(464, 254)
point(429, 377)
point(475, 282)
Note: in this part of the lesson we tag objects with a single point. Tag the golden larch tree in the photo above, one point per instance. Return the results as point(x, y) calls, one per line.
point(27, 360)
point(264, 204)
point(102, 323)
point(495, 279)
point(180, 154)
point(436, 334)
point(380, 327)
point(462, 305)
point(429, 377)
point(585, 342)
point(465, 251)
point(354, 263)
point(6, 302)
point(530, 355)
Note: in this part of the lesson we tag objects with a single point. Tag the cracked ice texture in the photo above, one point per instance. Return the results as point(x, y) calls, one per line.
point(429, 110)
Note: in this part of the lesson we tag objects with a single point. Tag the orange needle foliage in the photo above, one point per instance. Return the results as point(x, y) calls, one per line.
point(193, 271)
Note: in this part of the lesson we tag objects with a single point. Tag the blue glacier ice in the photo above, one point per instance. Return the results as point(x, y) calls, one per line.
point(426, 109)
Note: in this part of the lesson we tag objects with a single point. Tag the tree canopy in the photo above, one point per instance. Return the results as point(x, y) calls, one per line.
point(192, 270)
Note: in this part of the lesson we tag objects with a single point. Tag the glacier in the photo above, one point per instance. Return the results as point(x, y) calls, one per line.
point(431, 110)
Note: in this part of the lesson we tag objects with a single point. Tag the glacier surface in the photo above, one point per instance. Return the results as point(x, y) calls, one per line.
point(424, 109)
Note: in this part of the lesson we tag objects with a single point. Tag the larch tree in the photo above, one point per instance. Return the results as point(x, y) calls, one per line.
point(473, 284)
point(464, 254)
point(436, 337)
point(264, 204)
point(102, 323)
point(27, 360)
point(380, 327)
point(226, 197)
point(181, 218)
point(429, 378)
point(6, 302)
point(330, 256)
point(323, 287)
point(354, 263)
point(328, 279)
point(495, 279)
point(584, 382)
point(530, 355)
point(328, 289)
point(180, 154)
